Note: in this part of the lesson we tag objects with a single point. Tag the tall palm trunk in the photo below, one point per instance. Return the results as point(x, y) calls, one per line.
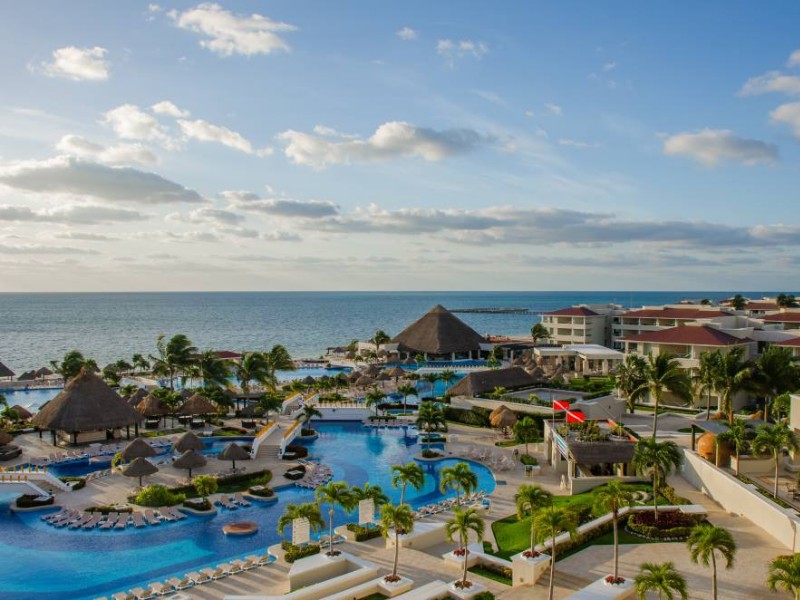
point(396, 552)
point(330, 539)
point(766, 408)
point(552, 567)
point(655, 497)
point(656, 400)
point(713, 575)
point(466, 554)
point(737, 460)
point(533, 532)
point(616, 545)
point(777, 463)
point(708, 404)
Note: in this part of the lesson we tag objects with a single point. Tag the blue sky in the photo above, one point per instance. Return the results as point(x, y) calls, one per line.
point(282, 145)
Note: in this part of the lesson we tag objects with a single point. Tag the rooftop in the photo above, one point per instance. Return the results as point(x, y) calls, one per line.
point(572, 311)
point(438, 332)
point(481, 382)
point(782, 317)
point(689, 335)
point(668, 312)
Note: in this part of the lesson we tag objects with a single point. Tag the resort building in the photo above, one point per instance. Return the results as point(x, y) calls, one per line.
point(787, 319)
point(576, 360)
point(438, 336)
point(657, 318)
point(87, 410)
point(793, 344)
point(581, 324)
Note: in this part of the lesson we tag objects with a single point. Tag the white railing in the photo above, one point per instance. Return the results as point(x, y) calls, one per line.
point(261, 437)
point(289, 436)
point(31, 475)
point(289, 404)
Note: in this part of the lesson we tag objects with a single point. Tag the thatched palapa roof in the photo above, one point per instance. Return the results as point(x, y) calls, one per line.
point(136, 397)
point(152, 406)
point(503, 419)
point(22, 412)
point(140, 467)
point(197, 405)
point(138, 448)
point(438, 332)
point(87, 403)
point(234, 452)
point(482, 382)
point(592, 453)
point(5, 371)
point(189, 441)
point(191, 459)
point(498, 410)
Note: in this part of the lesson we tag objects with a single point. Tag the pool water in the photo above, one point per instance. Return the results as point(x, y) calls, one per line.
point(39, 561)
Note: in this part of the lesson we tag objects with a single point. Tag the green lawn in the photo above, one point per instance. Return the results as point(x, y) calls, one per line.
point(479, 570)
point(513, 535)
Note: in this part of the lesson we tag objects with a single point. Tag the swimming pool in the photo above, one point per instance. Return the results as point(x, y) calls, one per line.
point(38, 561)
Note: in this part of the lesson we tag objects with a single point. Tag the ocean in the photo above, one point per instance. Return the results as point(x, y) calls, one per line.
point(37, 328)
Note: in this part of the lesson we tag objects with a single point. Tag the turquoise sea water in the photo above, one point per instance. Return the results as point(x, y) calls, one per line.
point(36, 328)
point(39, 561)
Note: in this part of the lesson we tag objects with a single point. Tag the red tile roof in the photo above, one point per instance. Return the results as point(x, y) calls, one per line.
point(761, 306)
point(783, 317)
point(675, 313)
point(794, 342)
point(572, 311)
point(226, 354)
point(689, 335)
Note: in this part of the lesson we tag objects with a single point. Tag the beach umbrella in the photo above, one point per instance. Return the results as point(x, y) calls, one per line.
point(138, 448)
point(191, 459)
point(498, 410)
point(234, 452)
point(27, 376)
point(384, 376)
point(23, 413)
point(151, 406)
point(188, 441)
point(397, 372)
point(43, 372)
point(140, 467)
point(5, 438)
point(353, 377)
point(364, 381)
point(372, 370)
point(136, 397)
point(197, 405)
point(309, 380)
point(503, 419)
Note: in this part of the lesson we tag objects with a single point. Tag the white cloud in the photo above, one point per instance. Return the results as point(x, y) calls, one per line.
point(208, 215)
point(794, 59)
point(208, 132)
point(227, 34)
point(75, 214)
point(71, 176)
point(774, 81)
point(788, 114)
point(712, 146)
point(131, 123)
point(40, 249)
point(393, 139)
point(165, 107)
point(76, 145)
point(581, 145)
point(609, 66)
point(79, 64)
point(84, 236)
point(451, 50)
point(281, 207)
point(554, 109)
point(407, 34)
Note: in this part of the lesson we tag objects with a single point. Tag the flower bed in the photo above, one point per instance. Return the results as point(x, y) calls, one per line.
point(611, 580)
point(671, 525)
point(364, 533)
point(294, 553)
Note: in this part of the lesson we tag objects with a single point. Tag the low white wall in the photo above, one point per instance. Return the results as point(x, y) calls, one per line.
point(745, 500)
point(424, 535)
point(754, 466)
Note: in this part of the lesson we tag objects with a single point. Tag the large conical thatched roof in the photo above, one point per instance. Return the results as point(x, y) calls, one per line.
point(138, 448)
point(197, 405)
point(22, 412)
point(86, 404)
point(234, 451)
point(136, 397)
point(152, 406)
point(189, 441)
point(27, 376)
point(190, 459)
point(438, 332)
point(5, 371)
point(498, 410)
point(140, 467)
point(481, 382)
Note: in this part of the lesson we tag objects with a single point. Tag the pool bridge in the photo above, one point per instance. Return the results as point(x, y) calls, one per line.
point(32, 479)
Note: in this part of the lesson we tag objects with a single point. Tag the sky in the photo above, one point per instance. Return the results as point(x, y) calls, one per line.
point(416, 145)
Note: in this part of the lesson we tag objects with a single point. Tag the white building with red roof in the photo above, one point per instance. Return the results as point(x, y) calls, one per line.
point(788, 318)
point(657, 318)
point(581, 324)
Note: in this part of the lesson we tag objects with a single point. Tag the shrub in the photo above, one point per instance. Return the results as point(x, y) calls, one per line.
point(669, 493)
point(263, 492)
point(295, 473)
point(158, 495)
point(297, 451)
point(430, 454)
point(474, 416)
point(671, 525)
point(484, 596)
point(527, 459)
point(30, 501)
point(80, 482)
point(294, 553)
point(493, 571)
point(364, 533)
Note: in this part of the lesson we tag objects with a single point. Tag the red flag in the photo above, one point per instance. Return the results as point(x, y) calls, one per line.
point(561, 405)
point(575, 416)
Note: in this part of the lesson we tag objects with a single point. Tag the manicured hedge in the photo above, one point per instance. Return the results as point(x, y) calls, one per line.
point(294, 553)
point(364, 533)
point(671, 526)
point(30, 501)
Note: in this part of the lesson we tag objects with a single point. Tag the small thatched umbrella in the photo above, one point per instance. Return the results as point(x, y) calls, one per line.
point(234, 452)
point(364, 381)
point(5, 438)
point(197, 405)
point(138, 448)
point(309, 380)
point(152, 406)
point(503, 420)
point(188, 441)
point(372, 370)
point(190, 459)
point(136, 397)
point(23, 413)
point(383, 376)
point(397, 372)
point(353, 377)
point(497, 411)
point(140, 467)
point(43, 372)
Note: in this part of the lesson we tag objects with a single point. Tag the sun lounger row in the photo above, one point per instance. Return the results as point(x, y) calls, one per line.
point(232, 502)
point(190, 580)
point(316, 475)
point(74, 519)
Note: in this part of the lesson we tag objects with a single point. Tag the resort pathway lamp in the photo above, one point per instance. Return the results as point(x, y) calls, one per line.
point(140, 467)
point(138, 448)
point(234, 452)
point(191, 459)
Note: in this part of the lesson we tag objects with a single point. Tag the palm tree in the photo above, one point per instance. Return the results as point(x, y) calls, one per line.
point(309, 412)
point(784, 573)
point(738, 302)
point(334, 493)
point(662, 579)
point(374, 398)
point(526, 431)
point(705, 377)
point(140, 362)
point(430, 418)
point(551, 521)
point(405, 475)
point(431, 378)
point(775, 373)
point(731, 376)
point(369, 491)
point(539, 332)
point(170, 399)
point(529, 499)
point(308, 511)
point(462, 524)
point(460, 478)
point(663, 373)
point(399, 519)
point(656, 460)
point(704, 542)
point(446, 377)
point(253, 367)
point(611, 497)
point(630, 375)
point(72, 364)
point(774, 439)
point(211, 369)
point(407, 390)
point(269, 402)
point(174, 357)
point(278, 359)
point(738, 435)
point(380, 337)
